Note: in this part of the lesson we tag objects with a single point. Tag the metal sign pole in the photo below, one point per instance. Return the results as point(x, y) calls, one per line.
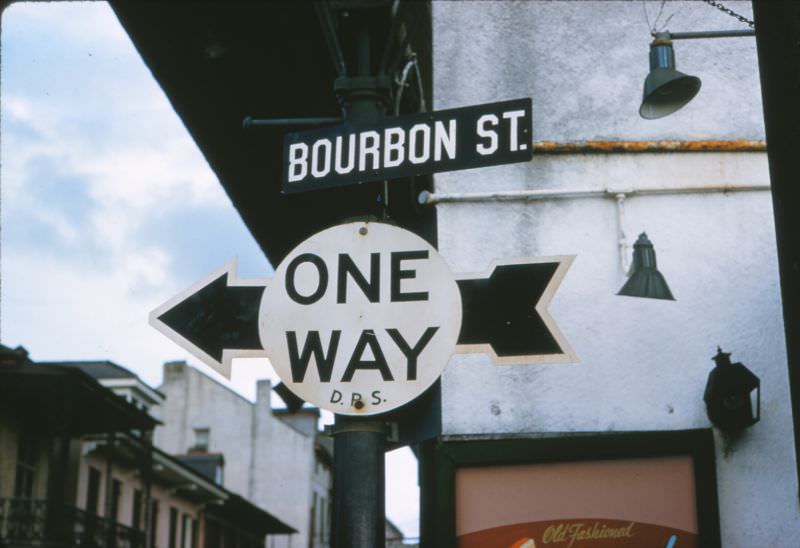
point(358, 482)
point(358, 443)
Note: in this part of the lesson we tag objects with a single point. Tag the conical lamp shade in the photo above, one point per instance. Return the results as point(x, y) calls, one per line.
point(645, 281)
point(665, 89)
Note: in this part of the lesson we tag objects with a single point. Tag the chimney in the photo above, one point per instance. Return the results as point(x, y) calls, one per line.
point(174, 370)
point(263, 393)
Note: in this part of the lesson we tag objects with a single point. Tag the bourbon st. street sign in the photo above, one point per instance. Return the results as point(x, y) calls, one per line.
point(362, 318)
point(411, 144)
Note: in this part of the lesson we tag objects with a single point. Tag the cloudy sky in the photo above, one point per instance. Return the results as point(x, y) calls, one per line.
point(108, 208)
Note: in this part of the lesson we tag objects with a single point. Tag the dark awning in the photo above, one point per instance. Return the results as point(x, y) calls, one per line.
point(65, 400)
point(241, 512)
point(220, 62)
point(166, 470)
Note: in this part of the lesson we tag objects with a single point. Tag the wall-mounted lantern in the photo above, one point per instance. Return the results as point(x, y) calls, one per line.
point(665, 89)
point(728, 394)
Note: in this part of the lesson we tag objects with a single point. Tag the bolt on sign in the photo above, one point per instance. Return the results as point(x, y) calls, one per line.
point(412, 144)
point(362, 318)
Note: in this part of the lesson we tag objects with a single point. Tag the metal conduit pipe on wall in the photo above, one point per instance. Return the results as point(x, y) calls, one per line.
point(619, 195)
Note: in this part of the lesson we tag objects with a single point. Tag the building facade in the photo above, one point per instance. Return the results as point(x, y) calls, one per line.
point(697, 183)
point(46, 412)
point(78, 467)
point(274, 458)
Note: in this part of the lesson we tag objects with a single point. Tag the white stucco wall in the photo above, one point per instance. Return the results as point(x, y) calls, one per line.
point(281, 468)
point(195, 401)
point(584, 64)
point(266, 461)
point(643, 363)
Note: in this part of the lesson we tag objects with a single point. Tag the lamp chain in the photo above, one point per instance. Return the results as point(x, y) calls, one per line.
point(730, 12)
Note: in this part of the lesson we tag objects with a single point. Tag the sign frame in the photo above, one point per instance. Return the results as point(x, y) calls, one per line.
point(440, 459)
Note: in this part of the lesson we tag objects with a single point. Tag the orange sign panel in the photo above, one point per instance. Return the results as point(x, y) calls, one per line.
point(589, 533)
point(635, 503)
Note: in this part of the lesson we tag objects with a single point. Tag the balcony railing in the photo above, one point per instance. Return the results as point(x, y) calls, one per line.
point(24, 522)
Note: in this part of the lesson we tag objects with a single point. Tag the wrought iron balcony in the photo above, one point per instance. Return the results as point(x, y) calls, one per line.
point(24, 522)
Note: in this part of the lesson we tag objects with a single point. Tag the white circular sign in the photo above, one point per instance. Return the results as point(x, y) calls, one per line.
point(360, 318)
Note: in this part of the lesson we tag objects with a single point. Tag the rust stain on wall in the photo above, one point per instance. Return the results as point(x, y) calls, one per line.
point(603, 147)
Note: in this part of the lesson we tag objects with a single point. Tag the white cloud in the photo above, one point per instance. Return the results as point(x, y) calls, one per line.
point(63, 313)
point(142, 176)
point(116, 136)
point(96, 22)
point(18, 108)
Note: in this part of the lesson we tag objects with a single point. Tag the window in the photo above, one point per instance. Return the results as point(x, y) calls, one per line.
point(136, 514)
point(173, 527)
point(213, 534)
point(201, 439)
point(328, 518)
point(313, 525)
point(116, 491)
point(154, 523)
point(323, 516)
point(193, 543)
point(185, 530)
point(26, 468)
point(93, 491)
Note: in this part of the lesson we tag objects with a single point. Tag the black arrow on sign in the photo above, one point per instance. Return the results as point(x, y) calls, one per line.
point(505, 313)
point(216, 319)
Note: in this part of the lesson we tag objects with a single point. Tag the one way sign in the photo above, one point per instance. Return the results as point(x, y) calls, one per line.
point(362, 318)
